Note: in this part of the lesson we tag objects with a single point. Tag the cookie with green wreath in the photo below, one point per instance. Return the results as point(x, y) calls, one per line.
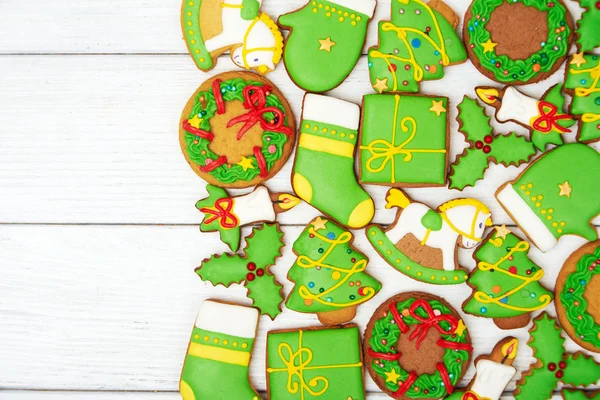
point(416, 347)
point(237, 130)
point(518, 42)
point(578, 302)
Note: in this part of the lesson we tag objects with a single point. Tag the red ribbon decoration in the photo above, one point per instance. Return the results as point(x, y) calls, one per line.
point(398, 318)
point(454, 345)
point(213, 164)
point(548, 119)
point(470, 396)
point(441, 367)
point(216, 87)
point(256, 103)
point(223, 211)
point(412, 377)
point(197, 131)
point(383, 356)
point(432, 320)
point(260, 160)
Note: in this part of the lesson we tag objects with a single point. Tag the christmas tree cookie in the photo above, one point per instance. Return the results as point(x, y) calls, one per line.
point(414, 46)
point(556, 195)
point(218, 356)
point(578, 302)
point(323, 173)
point(325, 41)
point(553, 364)
point(227, 214)
point(329, 274)
point(485, 146)
point(582, 81)
point(506, 282)
point(588, 34)
point(212, 27)
point(404, 140)
point(413, 243)
point(543, 118)
point(263, 248)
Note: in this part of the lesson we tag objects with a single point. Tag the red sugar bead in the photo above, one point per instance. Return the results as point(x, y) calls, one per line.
point(251, 266)
point(250, 277)
point(260, 272)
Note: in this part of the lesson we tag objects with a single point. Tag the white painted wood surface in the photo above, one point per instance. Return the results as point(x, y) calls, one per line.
point(98, 230)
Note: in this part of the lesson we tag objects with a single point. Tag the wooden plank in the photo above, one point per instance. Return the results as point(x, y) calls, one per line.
point(111, 307)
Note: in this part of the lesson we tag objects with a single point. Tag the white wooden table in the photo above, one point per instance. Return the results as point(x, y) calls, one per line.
point(98, 230)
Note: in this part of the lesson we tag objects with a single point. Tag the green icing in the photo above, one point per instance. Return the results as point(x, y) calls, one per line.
point(329, 273)
point(573, 300)
point(542, 139)
point(432, 220)
point(316, 363)
point(250, 9)
point(229, 236)
point(588, 34)
point(190, 23)
point(403, 141)
point(506, 282)
point(584, 80)
point(402, 263)
point(310, 66)
point(414, 46)
point(505, 69)
point(263, 247)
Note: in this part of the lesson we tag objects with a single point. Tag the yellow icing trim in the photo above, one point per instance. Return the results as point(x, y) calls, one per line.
point(595, 73)
point(326, 145)
point(186, 391)
point(225, 5)
point(220, 354)
point(590, 117)
point(277, 49)
point(302, 187)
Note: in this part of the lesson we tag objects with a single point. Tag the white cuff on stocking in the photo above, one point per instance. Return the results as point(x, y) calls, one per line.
point(366, 7)
point(229, 319)
point(330, 110)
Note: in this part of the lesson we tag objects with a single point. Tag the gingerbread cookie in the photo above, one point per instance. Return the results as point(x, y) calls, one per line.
point(416, 347)
point(582, 81)
point(588, 34)
point(578, 302)
point(485, 146)
point(323, 174)
point(543, 118)
point(218, 356)
point(414, 46)
point(237, 130)
point(315, 363)
point(422, 243)
point(227, 214)
point(212, 27)
point(325, 41)
point(553, 364)
point(404, 140)
point(329, 274)
point(493, 373)
point(506, 282)
point(263, 248)
point(518, 42)
point(556, 195)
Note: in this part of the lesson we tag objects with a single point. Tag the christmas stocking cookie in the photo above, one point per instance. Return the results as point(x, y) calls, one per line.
point(323, 173)
point(325, 41)
point(216, 364)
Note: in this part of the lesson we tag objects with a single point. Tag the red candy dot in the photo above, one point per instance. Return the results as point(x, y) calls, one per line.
point(251, 266)
point(488, 139)
point(478, 144)
point(562, 365)
point(353, 259)
point(405, 83)
point(512, 270)
point(393, 68)
point(407, 67)
point(487, 149)
point(528, 272)
point(559, 374)
point(497, 65)
point(311, 236)
point(250, 276)
point(598, 5)
point(361, 291)
point(260, 272)
point(552, 367)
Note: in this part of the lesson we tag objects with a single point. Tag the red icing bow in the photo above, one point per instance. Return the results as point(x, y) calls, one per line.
point(256, 103)
point(431, 320)
point(223, 211)
point(548, 119)
point(470, 396)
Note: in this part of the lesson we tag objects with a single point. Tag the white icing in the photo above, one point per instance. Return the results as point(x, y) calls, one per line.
point(330, 110)
point(527, 220)
point(517, 106)
point(491, 379)
point(254, 207)
point(366, 7)
point(229, 319)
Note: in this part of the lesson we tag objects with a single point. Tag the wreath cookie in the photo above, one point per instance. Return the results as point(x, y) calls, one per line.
point(578, 303)
point(237, 130)
point(518, 41)
point(416, 347)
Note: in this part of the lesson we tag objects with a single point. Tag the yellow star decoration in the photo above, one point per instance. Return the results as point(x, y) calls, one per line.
point(392, 377)
point(578, 59)
point(460, 329)
point(319, 223)
point(195, 121)
point(246, 163)
point(502, 231)
point(326, 44)
point(488, 46)
point(437, 107)
point(380, 85)
point(565, 189)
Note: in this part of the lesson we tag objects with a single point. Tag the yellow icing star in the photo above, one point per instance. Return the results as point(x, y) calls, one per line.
point(326, 44)
point(437, 107)
point(502, 231)
point(565, 189)
point(380, 85)
point(319, 223)
point(246, 163)
point(392, 377)
point(460, 329)
point(578, 59)
point(195, 121)
point(488, 46)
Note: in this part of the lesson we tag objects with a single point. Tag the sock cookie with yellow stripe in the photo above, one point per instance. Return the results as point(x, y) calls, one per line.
point(216, 364)
point(323, 173)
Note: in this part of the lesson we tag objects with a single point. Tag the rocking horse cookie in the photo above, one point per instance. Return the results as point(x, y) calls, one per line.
point(422, 243)
point(212, 27)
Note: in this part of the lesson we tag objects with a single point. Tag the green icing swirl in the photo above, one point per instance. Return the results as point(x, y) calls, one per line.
point(521, 70)
point(384, 329)
point(198, 149)
point(575, 286)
